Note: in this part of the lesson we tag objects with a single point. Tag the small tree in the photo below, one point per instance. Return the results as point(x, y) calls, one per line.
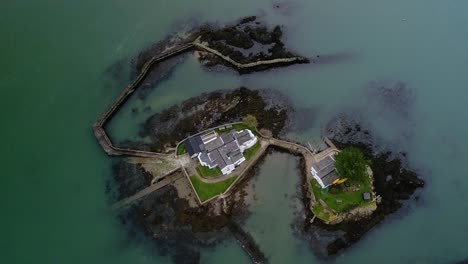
point(250, 120)
point(352, 164)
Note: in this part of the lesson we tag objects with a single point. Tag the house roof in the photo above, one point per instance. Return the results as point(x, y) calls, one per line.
point(214, 144)
point(205, 158)
point(243, 136)
point(194, 145)
point(236, 156)
point(325, 171)
point(223, 150)
point(329, 178)
point(227, 138)
point(323, 163)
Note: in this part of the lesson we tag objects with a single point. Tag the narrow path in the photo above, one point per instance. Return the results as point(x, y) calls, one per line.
point(265, 143)
point(204, 46)
point(99, 125)
point(148, 190)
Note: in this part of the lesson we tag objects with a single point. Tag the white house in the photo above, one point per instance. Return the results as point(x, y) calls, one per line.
point(324, 171)
point(224, 151)
point(246, 139)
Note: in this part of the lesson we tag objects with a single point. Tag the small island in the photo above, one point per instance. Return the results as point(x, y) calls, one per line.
point(342, 186)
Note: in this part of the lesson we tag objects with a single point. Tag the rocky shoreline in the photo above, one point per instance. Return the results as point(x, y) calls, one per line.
point(247, 41)
point(177, 229)
point(169, 219)
point(393, 183)
point(208, 110)
point(167, 216)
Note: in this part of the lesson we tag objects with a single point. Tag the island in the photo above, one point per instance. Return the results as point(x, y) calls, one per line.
point(196, 166)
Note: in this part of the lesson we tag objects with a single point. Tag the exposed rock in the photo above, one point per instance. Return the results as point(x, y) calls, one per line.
point(213, 109)
point(245, 42)
point(391, 190)
point(131, 178)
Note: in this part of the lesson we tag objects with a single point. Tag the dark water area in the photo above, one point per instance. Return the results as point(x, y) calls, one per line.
point(398, 65)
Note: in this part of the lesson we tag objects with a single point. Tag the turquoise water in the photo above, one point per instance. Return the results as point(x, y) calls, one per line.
point(54, 83)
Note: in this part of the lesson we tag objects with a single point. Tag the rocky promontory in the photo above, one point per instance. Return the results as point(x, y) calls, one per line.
point(164, 129)
point(394, 182)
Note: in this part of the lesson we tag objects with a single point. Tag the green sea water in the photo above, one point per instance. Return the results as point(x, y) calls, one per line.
point(55, 81)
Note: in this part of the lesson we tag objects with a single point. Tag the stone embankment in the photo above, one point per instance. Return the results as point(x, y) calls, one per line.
point(205, 46)
point(247, 243)
point(99, 125)
point(170, 177)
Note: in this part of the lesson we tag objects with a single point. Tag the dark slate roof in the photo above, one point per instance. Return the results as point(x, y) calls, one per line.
point(329, 178)
point(212, 145)
point(216, 157)
point(230, 147)
point(224, 150)
point(326, 170)
point(224, 155)
point(227, 138)
point(243, 133)
point(236, 155)
point(325, 162)
point(194, 145)
point(204, 157)
point(243, 137)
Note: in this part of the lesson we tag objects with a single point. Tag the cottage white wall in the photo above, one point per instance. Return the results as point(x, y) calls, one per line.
point(249, 143)
point(320, 182)
point(237, 163)
point(228, 169)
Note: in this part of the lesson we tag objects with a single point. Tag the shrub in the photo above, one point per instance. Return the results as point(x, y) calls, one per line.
point(250, 121)
point(352, 164)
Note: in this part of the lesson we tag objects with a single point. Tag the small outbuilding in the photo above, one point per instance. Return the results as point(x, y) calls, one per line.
point(366, 196)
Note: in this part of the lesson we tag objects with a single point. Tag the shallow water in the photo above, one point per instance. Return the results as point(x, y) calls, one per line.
point(55, 82)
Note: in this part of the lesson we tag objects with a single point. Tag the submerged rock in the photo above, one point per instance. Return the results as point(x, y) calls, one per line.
point(393, 96)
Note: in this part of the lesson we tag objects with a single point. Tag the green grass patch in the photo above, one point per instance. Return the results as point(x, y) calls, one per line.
point(320, 213)
point(206, 172)
point(181, 149)
point(208, 190)
point(249, 153)
point(349, 198)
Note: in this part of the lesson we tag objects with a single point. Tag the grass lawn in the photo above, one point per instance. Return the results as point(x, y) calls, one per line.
point(320, 213)
point(181, 149)
point(207, 190)
point(206, 172)
point(249, 153)
point(350, 199)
